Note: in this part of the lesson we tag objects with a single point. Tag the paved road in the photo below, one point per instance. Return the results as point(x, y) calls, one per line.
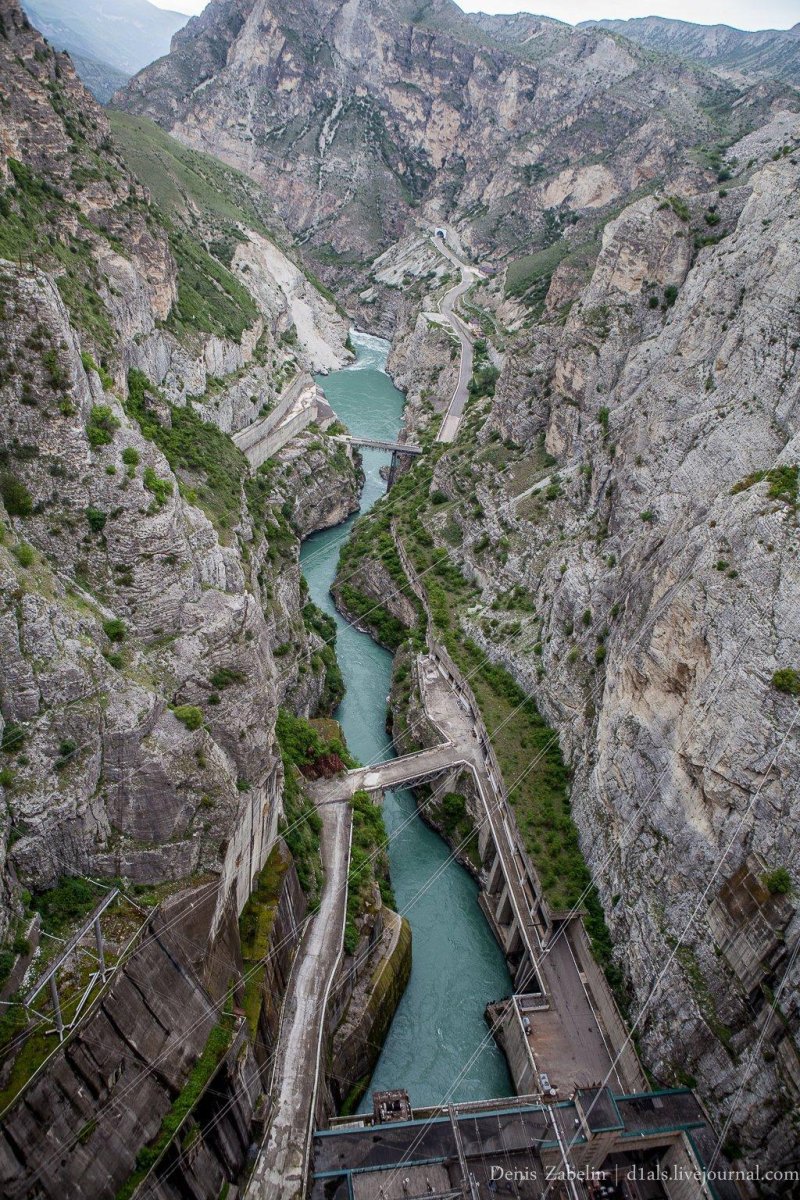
point(280, 1170)
point(455, 412)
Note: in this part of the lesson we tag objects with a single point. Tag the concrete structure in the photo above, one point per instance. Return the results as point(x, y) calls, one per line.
point(577, 1024)
point(409, 771)
point(749, 924)
point(651, 1146)
point(281, 1167)
point(301, 404)
point(548, 952)
point(249, 845)
point(376, 444)
point(397, 450)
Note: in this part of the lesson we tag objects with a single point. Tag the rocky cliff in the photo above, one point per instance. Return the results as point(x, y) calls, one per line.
point(623, 500)
point(147, 577)
point(360, 114)
point(152, 621)
point(615, 526)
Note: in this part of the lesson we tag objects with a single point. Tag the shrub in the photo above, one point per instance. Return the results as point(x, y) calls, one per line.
point(130, 456)
point(24, 554)
point(778, 882)
point(483, 382)
point(102, 426)
point(787, 680)
point(114, 629)
point(66, 752)
point(13, 738)
point(670, 295)
point(114, 659)
point(90, 365)
point(66, 903)
point(648, 515)
point(7, 961)
point(225, 677)
point(193, 445)
point(16, 497)
point(161, 488)
point(190, 715)
point(96, 518)
point(679, 207)
point(783, 483)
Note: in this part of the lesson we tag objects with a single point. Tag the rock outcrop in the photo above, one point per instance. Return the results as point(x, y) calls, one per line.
point(774, 53)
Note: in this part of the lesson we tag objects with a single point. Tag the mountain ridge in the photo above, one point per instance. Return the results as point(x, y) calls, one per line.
point(106, 37)
point(771, 53)
point(359, 119)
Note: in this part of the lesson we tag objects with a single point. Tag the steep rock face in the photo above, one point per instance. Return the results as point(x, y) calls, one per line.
point(636, 472)
point(123, 567)
point(110, 1089)
point(355, 111)
point(144, 572)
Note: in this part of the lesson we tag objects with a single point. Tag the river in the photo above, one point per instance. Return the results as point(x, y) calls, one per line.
point(457, 965)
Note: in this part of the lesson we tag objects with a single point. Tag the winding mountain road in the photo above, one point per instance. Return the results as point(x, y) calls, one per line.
point(455, 411)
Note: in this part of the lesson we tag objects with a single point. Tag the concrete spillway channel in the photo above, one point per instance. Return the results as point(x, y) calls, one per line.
point(281, 1167)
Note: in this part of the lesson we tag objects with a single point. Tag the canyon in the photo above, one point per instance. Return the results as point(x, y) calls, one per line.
point(599, 540)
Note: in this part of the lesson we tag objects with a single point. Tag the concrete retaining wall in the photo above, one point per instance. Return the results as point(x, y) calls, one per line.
point(511, 1037)
point(249, 845)
point(628, 1066)
point(250, 436)
point(276, 440)
point(266, 437)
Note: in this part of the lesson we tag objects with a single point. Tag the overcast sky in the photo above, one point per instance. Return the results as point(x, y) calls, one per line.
point(745, 14)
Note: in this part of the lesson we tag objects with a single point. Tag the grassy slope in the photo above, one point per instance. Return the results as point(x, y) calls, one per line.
point(202, 194)
point(185, 183)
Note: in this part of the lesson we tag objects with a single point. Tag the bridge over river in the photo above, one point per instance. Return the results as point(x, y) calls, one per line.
point(377, 444)
point(410, 771)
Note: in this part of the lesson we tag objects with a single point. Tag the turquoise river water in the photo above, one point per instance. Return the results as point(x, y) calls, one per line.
point(457, 965)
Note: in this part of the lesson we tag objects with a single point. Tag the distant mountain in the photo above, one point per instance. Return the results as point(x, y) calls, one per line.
point(124, 35)
point(772, 52)
point(100, 78)
point(518, 124)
